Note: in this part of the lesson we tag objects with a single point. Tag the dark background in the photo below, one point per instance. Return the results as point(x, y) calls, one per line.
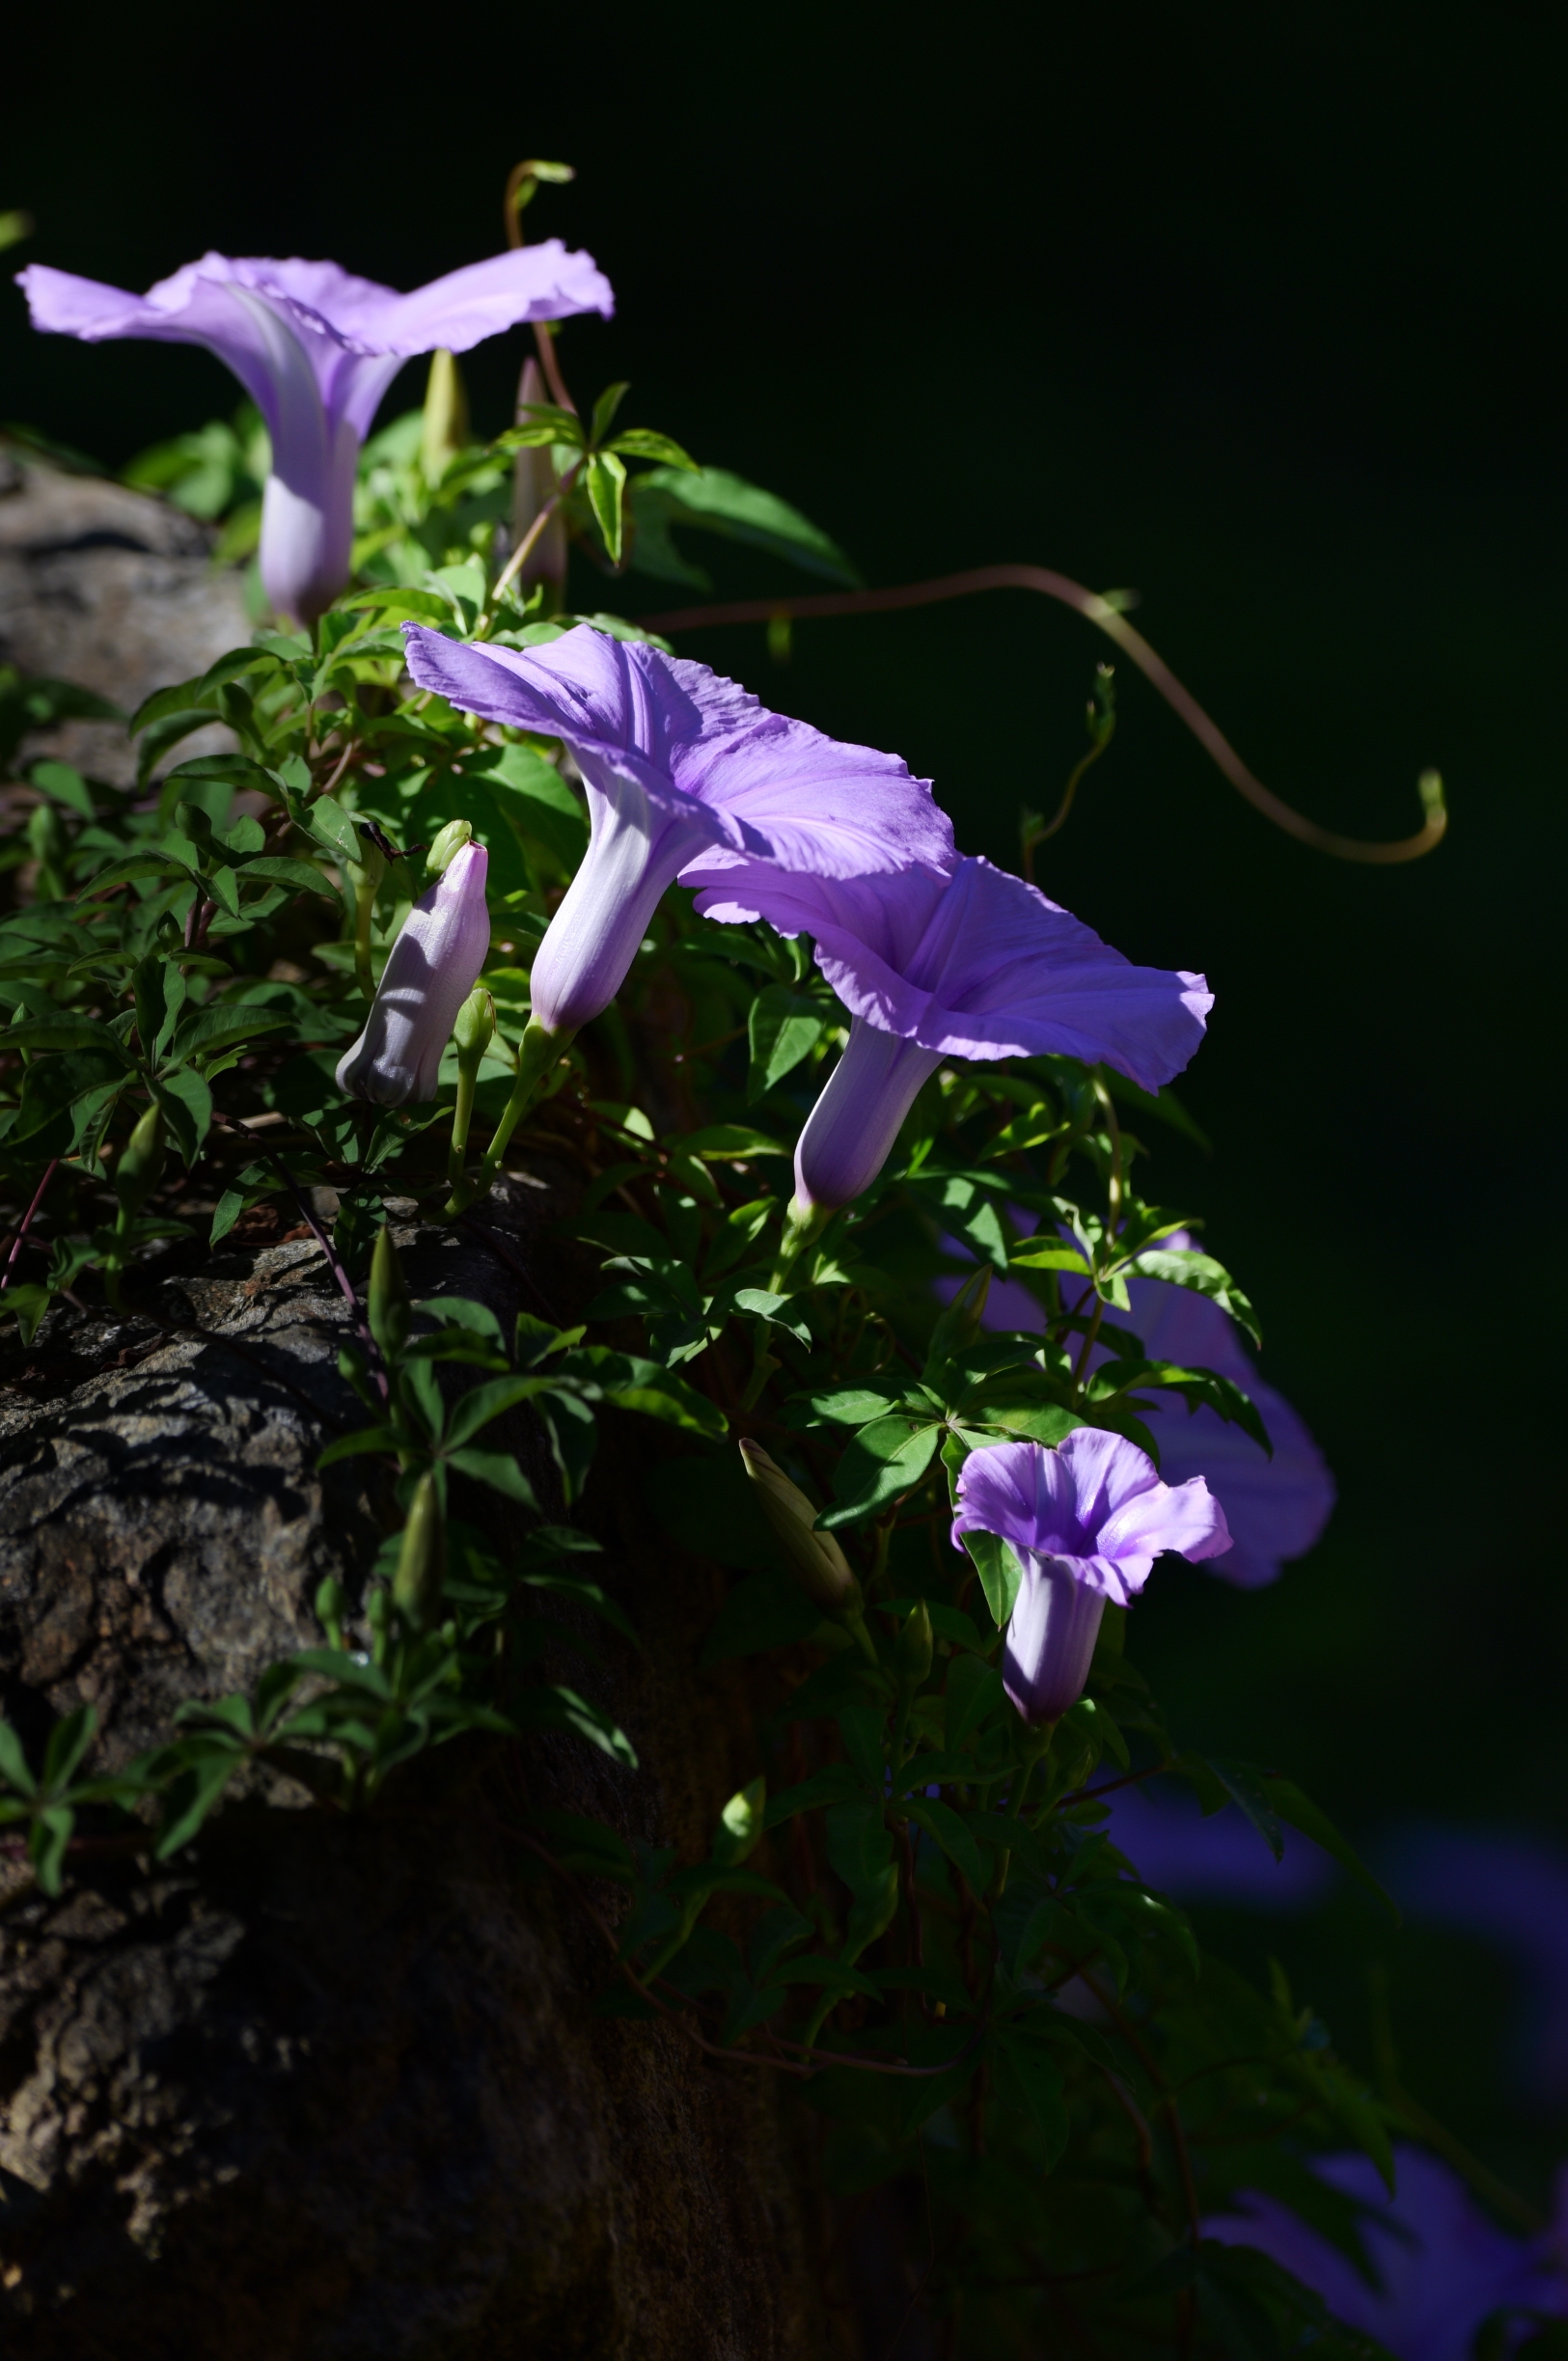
point(1257, 311)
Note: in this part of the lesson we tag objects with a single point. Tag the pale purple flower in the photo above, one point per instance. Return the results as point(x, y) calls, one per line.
point(1086, 1522)
point(682, 767)
point(1443, 2268)
point(1275, 1508)
point(975, 964)
point(315, 350)
point(430, 971)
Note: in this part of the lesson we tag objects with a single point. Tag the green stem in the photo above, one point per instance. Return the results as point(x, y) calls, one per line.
point(364, 912)
point(462, 1115)
point(802, 1225)
point(536, 1051)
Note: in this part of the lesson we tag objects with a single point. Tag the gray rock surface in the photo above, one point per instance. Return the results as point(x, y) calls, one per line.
point(330, 2085)
point(103, 587)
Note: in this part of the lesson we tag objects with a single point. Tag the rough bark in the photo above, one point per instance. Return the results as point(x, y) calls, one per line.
point(332, 2085)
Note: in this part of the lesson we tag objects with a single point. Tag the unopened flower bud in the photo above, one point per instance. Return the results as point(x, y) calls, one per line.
point(475, 1029)
point(140, 1160)
point(444, 428)
point(446, 843)
point(911, 1653)
point(387, 1297)
point(815, 1560)
point(740, 1826)
point(430, 971)
point(331, 1607)
point(367, 872)
point(421, 1564)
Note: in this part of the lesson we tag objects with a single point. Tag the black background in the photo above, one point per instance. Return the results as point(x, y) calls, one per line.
point(1257, 311)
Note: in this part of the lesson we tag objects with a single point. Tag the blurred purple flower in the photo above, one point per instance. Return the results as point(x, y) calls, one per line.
point(1443, 2267)
point(1086, 1522)
point(975, 964)
point(684, 771)
point(1275, 1508)
point(1162, 1827)
point(315, 350)
point(430, 971)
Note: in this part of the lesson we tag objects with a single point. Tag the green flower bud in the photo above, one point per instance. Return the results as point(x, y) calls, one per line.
point(740, 1826)
point(387, 1297)
point(140, 1160)
point(912, 1651)
point(815, 1560)
point(422, 1563)
point(447, 844)
point(445, 429)
point(331, 1607)
point(475, 1029)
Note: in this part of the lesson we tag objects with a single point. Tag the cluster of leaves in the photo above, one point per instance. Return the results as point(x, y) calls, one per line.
point(913, 1915)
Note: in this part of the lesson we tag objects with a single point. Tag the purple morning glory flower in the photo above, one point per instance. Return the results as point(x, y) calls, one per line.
point(681, 766)
point(1443, 2267)
point(1086, 1522)
point(1275, 1508)
point(315, 350)
point(430, 971)
point(975, 964)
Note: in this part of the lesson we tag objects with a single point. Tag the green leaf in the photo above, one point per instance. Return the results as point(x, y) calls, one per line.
point(193, 1796)
point(942, 1822)
point(68, 1741)
point(1302, 1813)
point(712, 500)
point(783, 1027)
point(47, 1843)
point(53, 1084)
point(1030, 2080)
point(205, 1031)
point(1001, 1576)
point(973, 1690)
point(14, 1767)
point(27, 1305)
point(331, 826)
point(303, 875)
point(496, 1468)
point(730, 1143)
point(606, 481)
point(882, 1463)
point(1048, 1254)
point(363, 1440)
point(482, 1404)
point(1182, 1267)
point(605, 409)
point(645, 443)
point(186, 1099)
point(62, 1032)
point(542, 425)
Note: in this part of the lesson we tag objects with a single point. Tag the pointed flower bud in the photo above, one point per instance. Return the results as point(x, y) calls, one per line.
point(444, 428)
point(430, 971)
point(815, 1560)
point(387, 1297)
point(913, 1652)
point(446, 843)
point(475, 1029)
point(422, 1563)
point(140, 1160)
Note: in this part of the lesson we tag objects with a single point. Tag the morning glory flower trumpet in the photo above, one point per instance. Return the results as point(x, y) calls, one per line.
point(975, 964)
point(431, 968)
point(1086, 1522)
point(315, 350)
point(682, 767)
